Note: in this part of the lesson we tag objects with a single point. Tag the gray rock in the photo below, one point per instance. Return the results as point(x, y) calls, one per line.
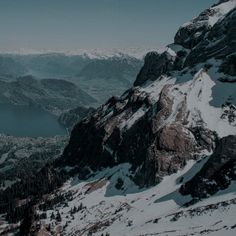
point(217, 173)
point(219, 42)
point(155, 64)
point(229, 65)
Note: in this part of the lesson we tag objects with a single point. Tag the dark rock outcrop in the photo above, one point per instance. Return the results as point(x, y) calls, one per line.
point(218, 43)
point(217, 173)
point(191, 34)
point(229, 66)
point(97, 141)
point(176, 137)
point(155, 64)
point(201, 31)
point(130, 129)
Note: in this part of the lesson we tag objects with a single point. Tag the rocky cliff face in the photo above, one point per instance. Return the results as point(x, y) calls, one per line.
point(194, 32)
point(155, 65)
point(217, 173)
point(169, 119)
point(218, 42)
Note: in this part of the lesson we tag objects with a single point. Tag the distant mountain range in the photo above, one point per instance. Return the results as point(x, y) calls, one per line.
point(97, 53)
point(100, 75)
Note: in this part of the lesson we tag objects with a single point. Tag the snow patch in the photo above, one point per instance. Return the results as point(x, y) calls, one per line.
point(198, 93)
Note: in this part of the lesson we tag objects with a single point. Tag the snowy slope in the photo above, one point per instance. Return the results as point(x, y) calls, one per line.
point(198, 94)
point(132, 211)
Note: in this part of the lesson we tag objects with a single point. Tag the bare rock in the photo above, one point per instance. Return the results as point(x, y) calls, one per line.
point(217, 173)
point(176, 137)
point(155, 64)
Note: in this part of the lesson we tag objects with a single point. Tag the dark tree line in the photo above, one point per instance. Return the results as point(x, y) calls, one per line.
point(25, 194)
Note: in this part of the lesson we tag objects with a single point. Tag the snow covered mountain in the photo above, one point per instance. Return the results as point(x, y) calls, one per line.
point(97, 53)
point(160, 159)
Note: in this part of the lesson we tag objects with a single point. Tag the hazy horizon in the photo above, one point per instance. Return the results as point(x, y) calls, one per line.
point(57, 25)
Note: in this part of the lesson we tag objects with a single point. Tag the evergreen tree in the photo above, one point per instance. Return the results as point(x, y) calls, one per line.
point(26, 222)
point(58, 217)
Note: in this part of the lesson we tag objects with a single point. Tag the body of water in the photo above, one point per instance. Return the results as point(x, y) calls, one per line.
point(28, 121)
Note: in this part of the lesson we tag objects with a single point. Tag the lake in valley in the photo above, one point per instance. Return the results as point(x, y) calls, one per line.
point(28, 121)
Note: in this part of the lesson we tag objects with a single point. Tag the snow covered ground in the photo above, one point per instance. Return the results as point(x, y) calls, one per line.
point(103, 207)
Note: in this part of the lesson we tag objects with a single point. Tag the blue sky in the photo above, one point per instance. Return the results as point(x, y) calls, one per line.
point(89, 24)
